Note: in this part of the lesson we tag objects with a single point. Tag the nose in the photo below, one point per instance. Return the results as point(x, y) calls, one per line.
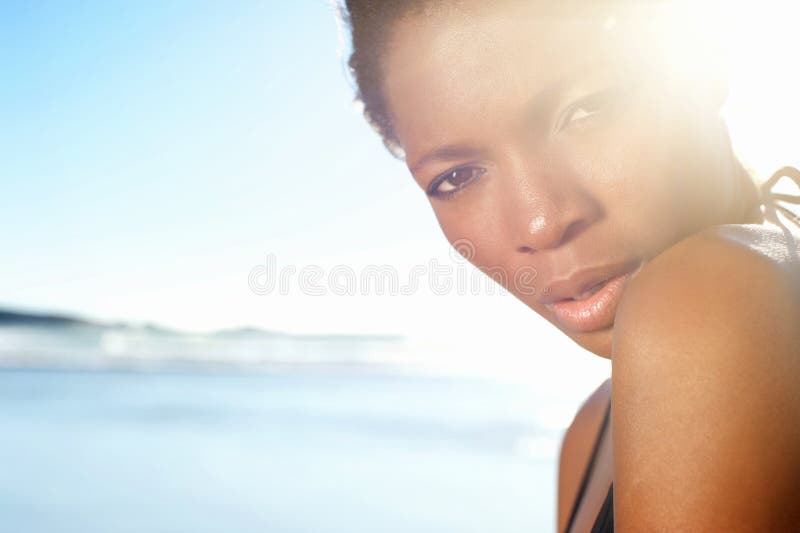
point(548, 215)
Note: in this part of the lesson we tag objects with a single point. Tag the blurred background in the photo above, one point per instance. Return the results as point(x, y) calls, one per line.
point(219, 300)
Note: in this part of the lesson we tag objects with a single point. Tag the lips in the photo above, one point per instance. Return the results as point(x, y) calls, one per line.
point(590, 291)
point(587, 301)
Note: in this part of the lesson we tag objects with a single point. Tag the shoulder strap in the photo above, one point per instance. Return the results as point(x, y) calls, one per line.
point(589, 466)
point(770, 199)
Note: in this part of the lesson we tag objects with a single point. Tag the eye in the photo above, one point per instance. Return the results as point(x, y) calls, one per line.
point(450, 182)
point(592, 105)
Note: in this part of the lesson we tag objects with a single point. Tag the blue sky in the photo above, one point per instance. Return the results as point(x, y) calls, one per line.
point(151, 145)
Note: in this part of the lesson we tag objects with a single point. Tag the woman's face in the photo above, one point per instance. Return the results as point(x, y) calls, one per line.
point(551, 151)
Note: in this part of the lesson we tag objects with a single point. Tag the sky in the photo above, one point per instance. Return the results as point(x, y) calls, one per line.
point(153, 155)
point(154, 152)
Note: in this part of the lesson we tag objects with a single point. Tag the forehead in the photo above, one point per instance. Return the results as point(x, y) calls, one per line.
point(458, 70)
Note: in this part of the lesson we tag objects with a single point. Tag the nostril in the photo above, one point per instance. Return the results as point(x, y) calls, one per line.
point(573, 230)
point(556, 238)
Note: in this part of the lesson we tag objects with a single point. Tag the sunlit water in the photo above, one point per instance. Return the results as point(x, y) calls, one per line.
point(297, 451)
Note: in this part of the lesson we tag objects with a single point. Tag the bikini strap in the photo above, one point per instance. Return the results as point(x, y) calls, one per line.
point(589, 468)
point(769, 199)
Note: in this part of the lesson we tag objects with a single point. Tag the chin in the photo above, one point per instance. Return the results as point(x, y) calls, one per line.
point(597, 342)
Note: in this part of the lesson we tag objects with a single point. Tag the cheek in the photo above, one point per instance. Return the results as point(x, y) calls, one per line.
point(642, 178)
point(471, 232)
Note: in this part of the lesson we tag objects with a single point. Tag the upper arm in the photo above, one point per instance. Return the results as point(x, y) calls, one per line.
point(575, 449)
point(706, 410)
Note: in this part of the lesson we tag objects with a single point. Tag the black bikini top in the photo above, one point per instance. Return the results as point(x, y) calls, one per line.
point(604, 523)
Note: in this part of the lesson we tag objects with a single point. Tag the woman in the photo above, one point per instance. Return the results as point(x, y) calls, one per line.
point(568, 140)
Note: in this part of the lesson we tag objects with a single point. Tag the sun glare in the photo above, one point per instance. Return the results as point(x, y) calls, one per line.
point(757, 45)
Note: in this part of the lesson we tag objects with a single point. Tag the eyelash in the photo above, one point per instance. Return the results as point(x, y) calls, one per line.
point(594, 103)
point(433, 187)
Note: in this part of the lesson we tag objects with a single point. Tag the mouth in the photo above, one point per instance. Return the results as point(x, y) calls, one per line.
point(592, 290)
point(594, 307)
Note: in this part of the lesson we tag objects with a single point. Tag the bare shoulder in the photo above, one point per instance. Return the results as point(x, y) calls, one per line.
point(769, 243)
point(577, 446)
point(731, 289)
point(706, 366)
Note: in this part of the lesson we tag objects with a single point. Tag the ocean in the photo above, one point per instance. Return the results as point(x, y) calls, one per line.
point(308, 449)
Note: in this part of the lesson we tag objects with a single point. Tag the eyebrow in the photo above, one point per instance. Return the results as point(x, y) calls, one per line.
point(445, 153)
point(534, 110)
